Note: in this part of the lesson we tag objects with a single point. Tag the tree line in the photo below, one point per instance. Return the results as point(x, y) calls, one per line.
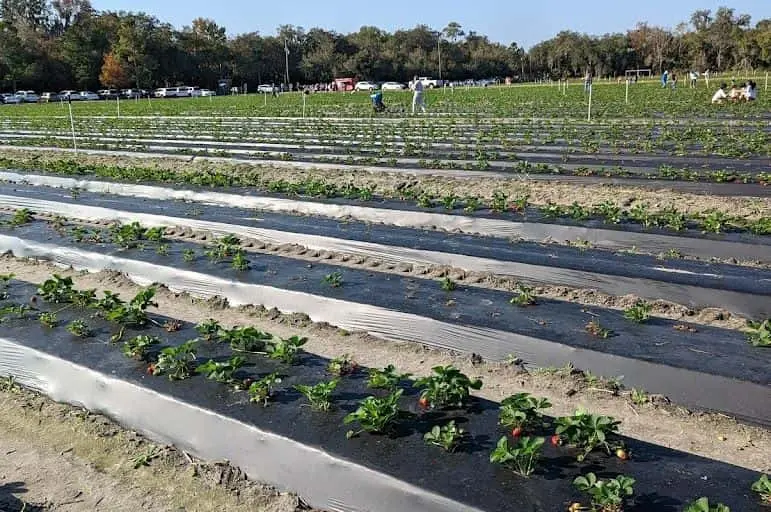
point(67, 44)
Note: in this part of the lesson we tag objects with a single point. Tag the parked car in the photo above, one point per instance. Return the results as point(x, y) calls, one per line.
point(28, 96)
point(108, 94)
point(165, 92)
point(267, 89)
point(429, 83)
point(89, 96)
point(190, 92)
point(207, 92)
point(365, 86)
point(130, 93)
point(344, 84)
point(48, 97)
point(394, 86)
point(70, 95)
point(9, 98)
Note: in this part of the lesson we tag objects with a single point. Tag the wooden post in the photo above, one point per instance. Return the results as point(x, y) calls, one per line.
point(627, 90)
point(72, 126)
point(589, 115)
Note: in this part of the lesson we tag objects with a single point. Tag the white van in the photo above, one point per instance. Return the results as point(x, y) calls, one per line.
point(193, 92)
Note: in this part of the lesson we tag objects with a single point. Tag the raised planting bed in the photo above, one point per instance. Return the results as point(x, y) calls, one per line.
point(588, 233)
point(700, 366)
point(293, 446)
point(436, 211)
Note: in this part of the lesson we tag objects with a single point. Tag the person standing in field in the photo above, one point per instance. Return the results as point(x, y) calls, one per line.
point(694, 79)
point(588, 81)
point(417, 96)
point(664, 79)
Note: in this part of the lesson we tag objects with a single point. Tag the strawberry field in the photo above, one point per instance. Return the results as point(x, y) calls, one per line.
point(498, 306)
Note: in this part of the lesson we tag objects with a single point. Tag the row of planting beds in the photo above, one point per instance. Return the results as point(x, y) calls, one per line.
point(663, 356)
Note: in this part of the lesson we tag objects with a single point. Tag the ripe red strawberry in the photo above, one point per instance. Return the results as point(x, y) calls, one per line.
point(555, 440)
point(151, 368)
point(516, 432)
point(423, 402)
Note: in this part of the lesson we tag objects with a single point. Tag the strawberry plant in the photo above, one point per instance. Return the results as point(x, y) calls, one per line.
point(285, 350)
point(472, 204)
point(188, 255)
point(138, 346)
point(334, 280)
point(133, 314)
point(639, 313)
point(524, 297)
point(448, 436)
point(447, 284)
point(78, 233)
point(261, 391)
point(759, 333)
point(597, 330)
point(447, 387)
point(703, 505)
point(239, 261)
point(22, 216)
point(375, 414)
point(450, 201)
point(500, 201)
point(176, 362)
point(209, 330)
point(609, 212)
point(522, 411)
point(223, 248)
point(586, 432)
point(387, 378)
point(84, 298)
point(58, 290)
point(109, 302)
point(319, 395)
point(48, 319)
point(79, 328)
point(245, 339)
point(342, 365)
point(221, 371)
point(763, 488)
point(19, 310)
point(606, 495)
point(162, 250)
point(522, 457)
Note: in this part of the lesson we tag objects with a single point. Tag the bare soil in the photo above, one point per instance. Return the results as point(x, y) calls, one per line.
point(712, 436)
point(386, 183)
point(56, 457)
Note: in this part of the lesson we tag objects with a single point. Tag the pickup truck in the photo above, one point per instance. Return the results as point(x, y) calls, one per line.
point(429, 83)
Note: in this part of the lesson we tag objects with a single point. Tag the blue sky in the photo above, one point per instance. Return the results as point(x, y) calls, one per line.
point(524, 21)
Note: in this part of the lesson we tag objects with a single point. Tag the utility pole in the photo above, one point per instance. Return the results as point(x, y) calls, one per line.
point(286, 55)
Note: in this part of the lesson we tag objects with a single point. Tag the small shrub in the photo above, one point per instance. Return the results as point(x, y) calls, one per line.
point(763, 488)
point(759, 333)
point(524, 297)
point(285, 350)
point(221, 372)
point(639, 313)
point(79, 328)
point(334, 280)
point(586, 432)
point(448, 284)
point(176, 362)
point(138, 346)
point(261, 391)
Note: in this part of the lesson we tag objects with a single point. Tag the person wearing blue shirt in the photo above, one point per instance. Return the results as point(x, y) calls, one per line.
point(377, 101)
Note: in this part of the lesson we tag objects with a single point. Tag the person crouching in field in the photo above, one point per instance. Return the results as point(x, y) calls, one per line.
point(720, 96)
point(377, 101)
point(750, 92)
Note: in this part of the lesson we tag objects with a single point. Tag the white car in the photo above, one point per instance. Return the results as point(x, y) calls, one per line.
point(267, 89)
point(190, 92)
point(28, 96)
point(89, 96)
point(365, 86)
point(9, 98)
point(394, 86)
point(207, 92)
point(166, 92)
point(70, 95)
